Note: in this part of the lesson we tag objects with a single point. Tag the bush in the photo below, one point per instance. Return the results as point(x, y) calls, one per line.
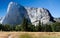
point(31, 28)
point(18, 28)
point(7, 27)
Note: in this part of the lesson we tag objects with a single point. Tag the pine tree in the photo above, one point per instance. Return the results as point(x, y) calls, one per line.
point(38, 27)
point(24, 26)
point(1, 27)
point(7, 27)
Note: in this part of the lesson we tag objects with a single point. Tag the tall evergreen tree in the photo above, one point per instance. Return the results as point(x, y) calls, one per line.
point(38, 27)
point(7, 27)
point(1, 27)
point(24, 25)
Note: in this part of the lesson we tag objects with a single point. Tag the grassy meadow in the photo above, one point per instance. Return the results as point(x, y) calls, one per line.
point(29, 34)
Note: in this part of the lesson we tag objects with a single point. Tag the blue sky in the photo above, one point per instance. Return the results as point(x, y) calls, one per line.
point(52, 5)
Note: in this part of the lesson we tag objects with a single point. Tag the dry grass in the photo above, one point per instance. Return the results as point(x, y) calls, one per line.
point(30, 34)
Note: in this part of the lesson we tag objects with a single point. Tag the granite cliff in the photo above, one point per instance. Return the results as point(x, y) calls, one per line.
point(16, 12)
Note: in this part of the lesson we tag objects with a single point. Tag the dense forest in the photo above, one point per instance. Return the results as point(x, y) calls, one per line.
point(28, 27)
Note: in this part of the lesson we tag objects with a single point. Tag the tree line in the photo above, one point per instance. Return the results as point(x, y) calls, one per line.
point(26, 26)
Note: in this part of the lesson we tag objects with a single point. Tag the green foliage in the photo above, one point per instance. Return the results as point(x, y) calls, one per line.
point(56, 27)
point(7, 27)
point(1, 27)
point(38, 27)
point(18, 28)
point(26, 26)
point(31, 28)
point(46, 28)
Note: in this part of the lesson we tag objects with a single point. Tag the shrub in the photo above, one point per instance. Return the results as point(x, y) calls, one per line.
point(7, 27)
point(18, 28)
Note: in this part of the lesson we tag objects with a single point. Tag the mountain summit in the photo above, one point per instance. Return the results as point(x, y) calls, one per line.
point(16, 12)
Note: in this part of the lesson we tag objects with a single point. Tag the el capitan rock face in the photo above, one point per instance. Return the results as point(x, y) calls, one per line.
point(16, 12)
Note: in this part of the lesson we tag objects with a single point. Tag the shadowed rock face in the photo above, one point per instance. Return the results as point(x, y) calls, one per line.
point(0, 18)
point(16, 13)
